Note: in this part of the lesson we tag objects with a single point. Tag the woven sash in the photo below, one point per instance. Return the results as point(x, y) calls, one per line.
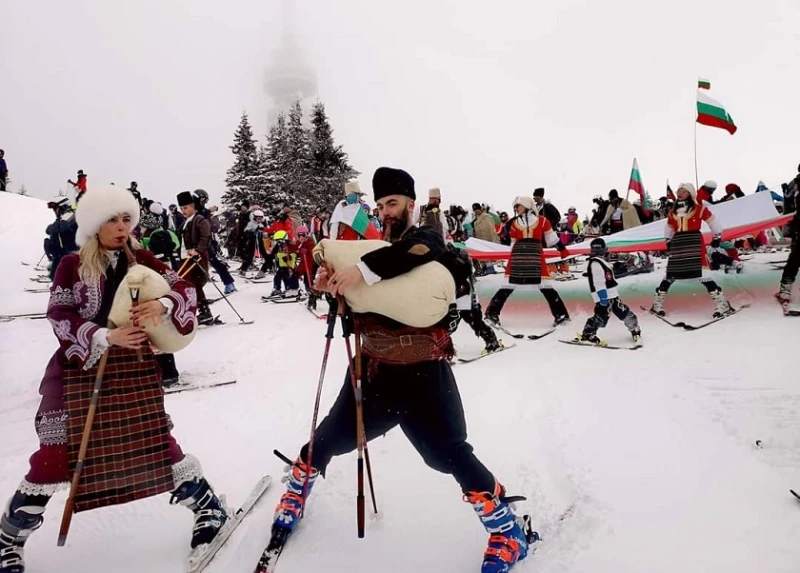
point(685, 256)
point(526, 262)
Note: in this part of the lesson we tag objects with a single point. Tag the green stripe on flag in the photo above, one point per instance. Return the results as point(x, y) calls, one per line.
point(360, 222)
point(718, 112)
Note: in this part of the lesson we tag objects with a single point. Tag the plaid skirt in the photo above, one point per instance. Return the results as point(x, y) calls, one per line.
point(129, 448)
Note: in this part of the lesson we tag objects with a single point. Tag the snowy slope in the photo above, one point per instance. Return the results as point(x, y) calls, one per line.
point(648, 456)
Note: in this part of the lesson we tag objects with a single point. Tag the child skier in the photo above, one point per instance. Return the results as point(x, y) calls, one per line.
point(603, 286)
point(286, 258)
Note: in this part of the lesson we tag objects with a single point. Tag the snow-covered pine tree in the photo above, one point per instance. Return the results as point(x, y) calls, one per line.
point(298, 173)
point(329, 163)
point(244, 166)
point(274, 172)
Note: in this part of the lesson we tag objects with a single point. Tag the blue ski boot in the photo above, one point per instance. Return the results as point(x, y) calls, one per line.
point(509, 536)
point(287, 513)
point(210, 513)
point(23, 516)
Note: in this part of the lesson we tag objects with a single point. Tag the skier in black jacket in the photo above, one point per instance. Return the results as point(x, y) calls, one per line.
point(784, 294)
point(547, 209)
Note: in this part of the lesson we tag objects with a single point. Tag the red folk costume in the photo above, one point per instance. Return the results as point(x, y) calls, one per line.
point(131, 453)
point(692, 221)
point(73, 311)
point(531, 226)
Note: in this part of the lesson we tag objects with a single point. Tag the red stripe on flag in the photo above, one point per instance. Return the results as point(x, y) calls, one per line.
point(712, 121)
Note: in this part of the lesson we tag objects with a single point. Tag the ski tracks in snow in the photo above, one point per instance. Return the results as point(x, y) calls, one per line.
point(562, 512)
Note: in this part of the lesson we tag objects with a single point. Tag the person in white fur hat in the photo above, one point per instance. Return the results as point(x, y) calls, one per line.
point(530, 233)
point(687, 251)
point(132, 453)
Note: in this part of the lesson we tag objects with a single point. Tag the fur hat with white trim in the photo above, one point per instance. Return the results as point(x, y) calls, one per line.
point(98, 205)
point(690, 188)
point(526, 202)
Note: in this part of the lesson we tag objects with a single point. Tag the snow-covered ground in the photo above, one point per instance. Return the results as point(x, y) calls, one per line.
point(631, 461)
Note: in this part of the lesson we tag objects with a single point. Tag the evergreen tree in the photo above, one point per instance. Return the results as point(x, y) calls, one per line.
point(23, 190)
point(244, 167)
point(329, 163)
point(297, 166)
point(274, 172)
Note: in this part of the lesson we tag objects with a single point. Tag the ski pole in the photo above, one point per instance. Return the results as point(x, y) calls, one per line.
point(355, 379)
point(69, 508)
point(310, 452)
point(359, 437)
point(243, 321)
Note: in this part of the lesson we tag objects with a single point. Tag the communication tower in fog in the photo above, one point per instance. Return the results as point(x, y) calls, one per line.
point(289, 76)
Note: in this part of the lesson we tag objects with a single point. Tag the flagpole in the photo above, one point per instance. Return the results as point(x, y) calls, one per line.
point(696, 177)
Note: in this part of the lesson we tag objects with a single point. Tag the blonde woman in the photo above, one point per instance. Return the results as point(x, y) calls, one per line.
point(131, 453)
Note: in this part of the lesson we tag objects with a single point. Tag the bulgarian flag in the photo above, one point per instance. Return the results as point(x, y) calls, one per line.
point(356, 217)
point(703, 84)
point(636, 184)
point(363, 226)
point(710, 112)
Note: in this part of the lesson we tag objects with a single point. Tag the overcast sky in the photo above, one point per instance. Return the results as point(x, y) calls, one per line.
point(486, 100)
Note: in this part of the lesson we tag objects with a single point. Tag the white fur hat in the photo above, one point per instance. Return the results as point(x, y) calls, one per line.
point(98, 205)
point(526, 202)
point(688, 187)
point(710, 184)
point(352, 187)
point(435, 193)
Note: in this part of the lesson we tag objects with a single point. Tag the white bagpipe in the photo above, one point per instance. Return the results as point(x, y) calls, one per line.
point(142, 284)
point(419, 298)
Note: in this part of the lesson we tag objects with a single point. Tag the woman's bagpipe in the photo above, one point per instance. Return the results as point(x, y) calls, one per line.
point(143, 284)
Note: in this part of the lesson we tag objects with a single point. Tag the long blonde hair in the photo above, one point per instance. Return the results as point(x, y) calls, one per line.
point(95, 259)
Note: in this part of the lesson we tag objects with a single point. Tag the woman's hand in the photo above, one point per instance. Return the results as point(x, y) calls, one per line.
point(127, 337)
point(152, 309)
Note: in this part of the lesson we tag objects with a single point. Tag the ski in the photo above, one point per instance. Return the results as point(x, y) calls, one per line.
point(189, 386)
point(479, 356)
point(31, 316)
point(285, 300)
point(216, 322)
point(47, 289)
point(198, 563)
point(213, 300)
point(685, 326)
point(542, 335)
point(636, 346)
point(794, 493)
point(269, 558)
point(519, 335)
point(713, 320)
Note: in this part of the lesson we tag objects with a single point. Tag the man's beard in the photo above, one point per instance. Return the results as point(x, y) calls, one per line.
point(394, 228)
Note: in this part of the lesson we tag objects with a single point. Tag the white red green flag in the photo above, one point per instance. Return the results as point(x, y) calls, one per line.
point(711, 113)
point(703, 84)
point(636, 184)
